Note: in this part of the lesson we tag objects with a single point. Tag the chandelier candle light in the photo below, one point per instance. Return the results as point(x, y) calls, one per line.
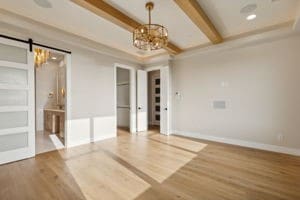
point(150, 36)
point(40, 57)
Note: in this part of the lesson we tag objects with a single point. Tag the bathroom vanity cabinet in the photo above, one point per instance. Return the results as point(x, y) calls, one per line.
point(54, 121)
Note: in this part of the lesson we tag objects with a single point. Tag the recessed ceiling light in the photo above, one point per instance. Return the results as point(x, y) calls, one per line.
point(43, 3)
point(53, 58)
point(251, 17)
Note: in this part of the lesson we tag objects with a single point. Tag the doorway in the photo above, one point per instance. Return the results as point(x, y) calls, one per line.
point(50, 100)
point(125, 99)
point(17, 97)
point(154, 100)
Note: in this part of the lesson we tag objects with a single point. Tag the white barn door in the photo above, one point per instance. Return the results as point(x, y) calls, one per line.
point(17, 131)
point(165, 124)
point(142, 103)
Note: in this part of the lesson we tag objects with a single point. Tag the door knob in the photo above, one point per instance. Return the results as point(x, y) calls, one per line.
point(166, 108)
point(139, 108)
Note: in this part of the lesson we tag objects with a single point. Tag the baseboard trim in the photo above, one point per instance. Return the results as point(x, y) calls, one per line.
point(104, 137)
point(78, 143)
point(243, 143)
point(90, 140)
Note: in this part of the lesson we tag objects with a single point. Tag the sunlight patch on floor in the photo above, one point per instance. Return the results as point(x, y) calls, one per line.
point(179, 142)
point(157, 160)
point(57, 143)
point(101, 177)
point(46, 142)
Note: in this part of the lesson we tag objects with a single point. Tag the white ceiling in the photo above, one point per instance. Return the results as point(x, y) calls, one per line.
point(225, 14)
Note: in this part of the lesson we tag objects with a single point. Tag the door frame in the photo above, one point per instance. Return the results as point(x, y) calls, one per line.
point(159, 67)
point(68, 93)
point(132, 95)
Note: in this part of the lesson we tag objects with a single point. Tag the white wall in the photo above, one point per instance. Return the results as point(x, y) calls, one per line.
point(45, 84)
point(260, 84)
point(297, 20)
point(93, 97)
point(61, 83)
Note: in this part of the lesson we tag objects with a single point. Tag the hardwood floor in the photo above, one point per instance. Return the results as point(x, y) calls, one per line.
point(44, 142)
point(152, 166)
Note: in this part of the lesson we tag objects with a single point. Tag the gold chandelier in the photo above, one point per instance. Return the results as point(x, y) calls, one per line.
point(40, 57)
point(150, 36)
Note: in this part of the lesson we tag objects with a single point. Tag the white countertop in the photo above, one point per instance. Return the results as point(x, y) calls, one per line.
point(54, 110)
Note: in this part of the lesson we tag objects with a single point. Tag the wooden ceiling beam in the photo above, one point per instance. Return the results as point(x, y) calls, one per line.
point(194, 11)
point(106, 11)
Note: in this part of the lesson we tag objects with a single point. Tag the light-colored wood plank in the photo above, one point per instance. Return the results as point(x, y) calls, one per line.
point(105, 178)
point(194, 11)
point(179, 142)
point(160, 164)
point(106, 11)
point(150, 166)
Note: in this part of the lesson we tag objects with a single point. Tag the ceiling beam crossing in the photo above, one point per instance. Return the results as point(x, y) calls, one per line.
point(106, 11)
point(195, 12)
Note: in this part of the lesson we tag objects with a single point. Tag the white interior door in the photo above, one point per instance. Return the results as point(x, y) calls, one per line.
point(17, 139)
point(132, 101)
point(142, 106)
point(165, 100)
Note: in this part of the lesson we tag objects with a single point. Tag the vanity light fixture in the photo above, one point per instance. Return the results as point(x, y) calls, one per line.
point(40, 57)
point(251, 17)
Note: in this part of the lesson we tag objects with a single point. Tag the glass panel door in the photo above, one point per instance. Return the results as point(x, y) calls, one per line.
point(16, 101)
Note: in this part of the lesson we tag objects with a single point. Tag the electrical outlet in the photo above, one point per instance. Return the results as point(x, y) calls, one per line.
point(280, 137)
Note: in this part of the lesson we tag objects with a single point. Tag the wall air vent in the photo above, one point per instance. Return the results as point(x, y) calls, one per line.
point(219, 104)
